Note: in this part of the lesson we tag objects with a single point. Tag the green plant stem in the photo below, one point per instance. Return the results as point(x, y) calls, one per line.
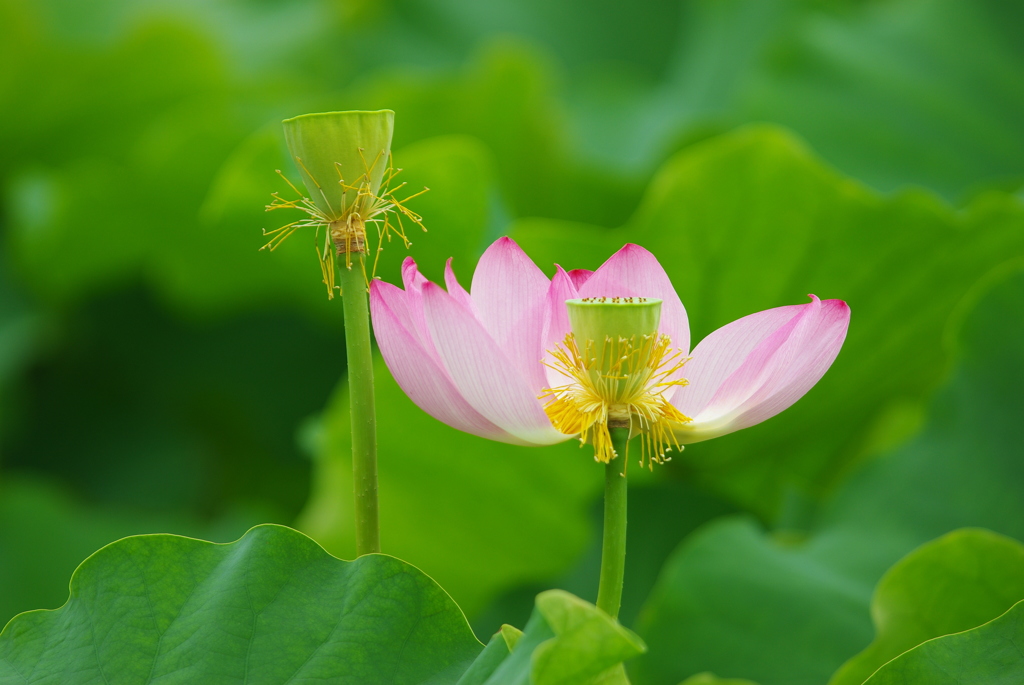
point(613, 548)
point(361, 405)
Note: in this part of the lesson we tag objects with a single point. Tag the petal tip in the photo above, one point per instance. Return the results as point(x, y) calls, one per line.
point(506, 243)
point(835, 305)
point(504, 248)
point(630, 248)
point(430, 286)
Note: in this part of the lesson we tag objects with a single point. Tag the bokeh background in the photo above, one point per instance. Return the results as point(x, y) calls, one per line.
point(160, 374)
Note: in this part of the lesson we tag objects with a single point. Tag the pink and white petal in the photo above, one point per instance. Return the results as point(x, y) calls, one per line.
point(556, 322)
point(482, 372)
point(635, 272)
point(804, 360)
point(411, 276)
point(414, 282)
point(724, 351)
point(580, 276)
point(455, 288)
point(510, 293)
point(419, 373)
point(405, 306)
point(761, 365)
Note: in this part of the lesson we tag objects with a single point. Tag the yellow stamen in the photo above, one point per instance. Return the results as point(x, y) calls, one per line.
point(624, 382)
point(346, 228)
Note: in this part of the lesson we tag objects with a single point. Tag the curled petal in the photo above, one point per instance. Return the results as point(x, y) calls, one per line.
point(417, 369)
point(635, 272)
point(455, 289)
point(411, 276)
point(757, 366)
point(482, 372)
point(413, 300)
point(510, 294)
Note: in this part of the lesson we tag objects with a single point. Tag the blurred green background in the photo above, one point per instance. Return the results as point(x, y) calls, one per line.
point(159, 374)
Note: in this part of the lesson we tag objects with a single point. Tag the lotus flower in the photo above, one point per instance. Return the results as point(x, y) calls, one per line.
point(500, 361)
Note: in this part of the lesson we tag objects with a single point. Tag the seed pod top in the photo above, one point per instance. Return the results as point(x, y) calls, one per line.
point(342, 157)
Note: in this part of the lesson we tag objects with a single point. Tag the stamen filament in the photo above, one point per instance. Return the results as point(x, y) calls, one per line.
point(625, 381)
point(346, 226)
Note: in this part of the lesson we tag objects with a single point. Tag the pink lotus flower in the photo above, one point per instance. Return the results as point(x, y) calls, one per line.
point(490, 361)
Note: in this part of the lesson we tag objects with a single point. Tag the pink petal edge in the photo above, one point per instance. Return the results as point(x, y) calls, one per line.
point(418, 373)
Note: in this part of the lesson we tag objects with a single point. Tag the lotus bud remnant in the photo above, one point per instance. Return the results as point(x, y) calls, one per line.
point(344, 159)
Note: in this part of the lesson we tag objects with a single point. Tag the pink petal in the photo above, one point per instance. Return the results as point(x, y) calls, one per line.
point(509, 292)
point(634, 272)
point(556, 321)
point(757, 366)
point(580, 276)
point(413, 296)
point(455, 289)
point(407, 309)
point(556, 314)
point(482, 372)
point(417, 370)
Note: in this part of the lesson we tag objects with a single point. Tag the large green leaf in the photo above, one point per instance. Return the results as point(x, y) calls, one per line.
point(270, 607)
point(45, 534)
point(882, 90)
point(753, 220)
point(911, 106)
point(956, 583)
point(788, 608)
point(987, 655)
point(737, 603)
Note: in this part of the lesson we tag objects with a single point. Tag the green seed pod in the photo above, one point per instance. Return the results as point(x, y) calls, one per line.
point(598, 318)
point(342, 157)
point(616, 337)
point(345, 162)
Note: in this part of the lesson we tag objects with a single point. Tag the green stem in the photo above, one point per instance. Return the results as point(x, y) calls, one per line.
point(360, 392)
point(613, 548)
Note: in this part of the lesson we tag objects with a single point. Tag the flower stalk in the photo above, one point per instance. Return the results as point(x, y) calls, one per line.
point(361, 405)
point(613, 545)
